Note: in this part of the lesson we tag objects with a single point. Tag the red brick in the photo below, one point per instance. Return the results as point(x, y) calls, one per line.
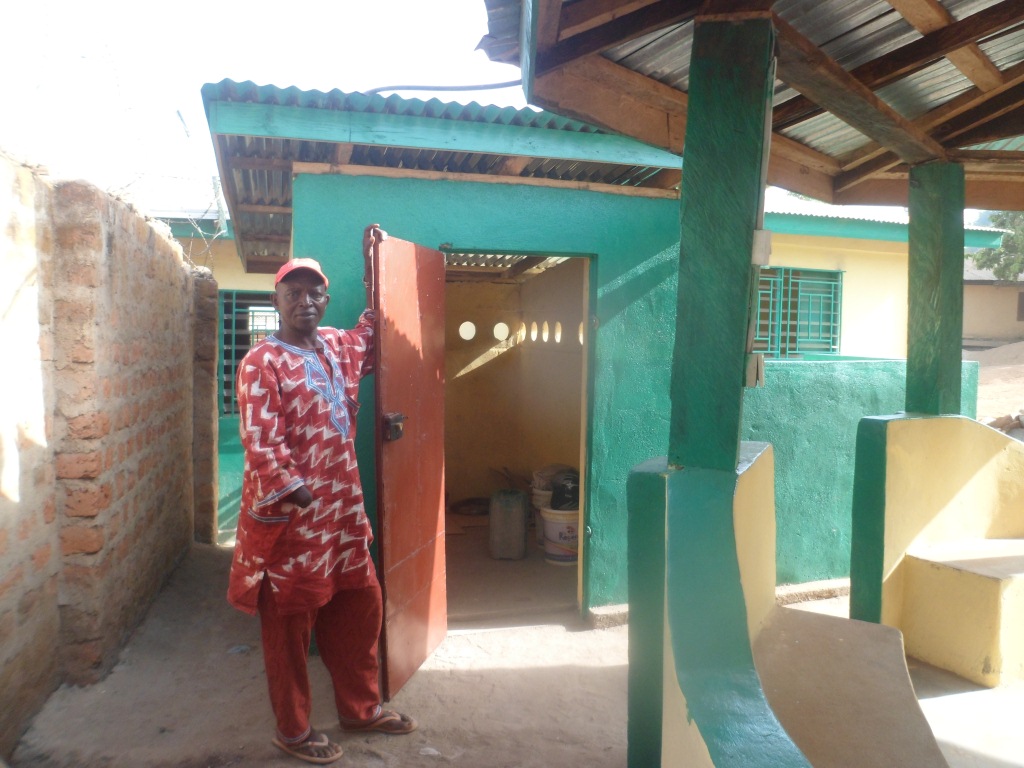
point(84, 274)
point(3, 542)
point(13, 577)
point(79, 540)
point(84, 578)
point(87, 501)
point(83, 353)
point(50, 510)
point(79, 465)
point(41, 557)
point(26, 526)
point(90, 425)
point(82, 662)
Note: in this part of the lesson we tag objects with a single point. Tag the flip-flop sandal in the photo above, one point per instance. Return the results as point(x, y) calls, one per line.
point(315, 741)
point(388, 721)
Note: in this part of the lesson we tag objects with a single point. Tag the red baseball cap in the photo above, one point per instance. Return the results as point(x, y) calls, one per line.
point(290, 266)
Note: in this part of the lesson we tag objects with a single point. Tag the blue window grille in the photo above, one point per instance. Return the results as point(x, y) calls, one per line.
point(246, 318)
point(798, 312)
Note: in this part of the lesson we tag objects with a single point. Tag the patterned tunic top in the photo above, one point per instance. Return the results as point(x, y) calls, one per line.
point(298, 422)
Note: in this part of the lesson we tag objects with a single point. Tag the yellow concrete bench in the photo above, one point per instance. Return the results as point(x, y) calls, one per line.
point(723, 677)
point(938, 541)
point(964, 607)
point(842, 691)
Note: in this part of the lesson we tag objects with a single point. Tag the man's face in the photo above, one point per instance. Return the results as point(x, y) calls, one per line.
point(301, 299)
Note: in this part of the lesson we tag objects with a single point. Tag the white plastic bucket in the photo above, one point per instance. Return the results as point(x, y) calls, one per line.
point(561, 535)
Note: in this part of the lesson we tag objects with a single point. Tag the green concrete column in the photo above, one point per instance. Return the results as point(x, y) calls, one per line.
point(725, 160)
point(936, 288)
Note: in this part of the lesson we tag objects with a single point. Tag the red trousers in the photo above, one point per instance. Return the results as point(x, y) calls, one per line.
point(347, 630)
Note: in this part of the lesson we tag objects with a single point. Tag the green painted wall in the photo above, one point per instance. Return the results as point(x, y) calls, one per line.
point(634, 244)
point(810, 412)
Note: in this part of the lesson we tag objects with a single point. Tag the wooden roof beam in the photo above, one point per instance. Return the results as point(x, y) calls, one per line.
point(585, 15)
point(642, 21)
point(912, 57)
point(863, 165)
point(929, 15)
point(820, 78)
point(606, 94)
point(1006, 124)
point(959, 129)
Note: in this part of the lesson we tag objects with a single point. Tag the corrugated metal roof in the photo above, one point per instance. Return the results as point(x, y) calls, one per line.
point(851, 33)
point(250, 92)
point(256, 171)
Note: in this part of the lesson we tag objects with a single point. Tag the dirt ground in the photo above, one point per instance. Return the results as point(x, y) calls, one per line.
point(1000, 380)
point(544, 690)
point(189, 692)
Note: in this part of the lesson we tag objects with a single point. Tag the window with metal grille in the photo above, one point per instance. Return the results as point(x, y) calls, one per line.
point(798, 311)
point(246, 318)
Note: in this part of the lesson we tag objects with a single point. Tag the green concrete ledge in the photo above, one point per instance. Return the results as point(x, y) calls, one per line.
point(682, 545)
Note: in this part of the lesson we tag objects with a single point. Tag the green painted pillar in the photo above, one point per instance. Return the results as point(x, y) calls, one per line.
point(725, 164)
point(936, 288)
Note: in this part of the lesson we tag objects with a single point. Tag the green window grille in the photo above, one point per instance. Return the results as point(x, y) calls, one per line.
point(798, 312)
point(246, 318)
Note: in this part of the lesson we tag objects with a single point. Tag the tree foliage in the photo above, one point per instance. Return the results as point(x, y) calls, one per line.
point(1006, 261)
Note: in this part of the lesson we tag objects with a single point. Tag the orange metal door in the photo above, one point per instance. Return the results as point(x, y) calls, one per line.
point(410, 453)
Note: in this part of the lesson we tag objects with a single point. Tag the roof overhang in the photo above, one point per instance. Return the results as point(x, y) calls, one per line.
point(865, 90)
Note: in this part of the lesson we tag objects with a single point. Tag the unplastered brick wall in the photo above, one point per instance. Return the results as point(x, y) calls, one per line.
point(106, 430)
point(29, 546)
point(123, 376)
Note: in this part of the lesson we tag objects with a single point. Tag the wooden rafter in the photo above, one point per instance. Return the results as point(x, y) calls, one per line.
point(644, 20)
point(913, 57)
point(804, 67)
point(929, 15)
point(587, 14)
point(260, 163)
point(606, 94)
point(987, 118)
point(263, 209)
point(1006, 124)
point(875, 159)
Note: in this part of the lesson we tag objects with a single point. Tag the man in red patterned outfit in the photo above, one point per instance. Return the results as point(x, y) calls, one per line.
point(302, 559)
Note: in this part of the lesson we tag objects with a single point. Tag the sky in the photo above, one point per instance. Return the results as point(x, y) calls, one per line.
point(109, 91)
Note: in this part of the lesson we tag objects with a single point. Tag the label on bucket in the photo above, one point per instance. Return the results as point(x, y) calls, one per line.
point(561, 535)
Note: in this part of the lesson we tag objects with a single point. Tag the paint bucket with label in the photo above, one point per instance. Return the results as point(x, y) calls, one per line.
point(561, 535)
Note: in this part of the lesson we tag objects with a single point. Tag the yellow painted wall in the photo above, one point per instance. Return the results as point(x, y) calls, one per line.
point(990, 313)
point(221, 257)
point(681, 740)
point(483, 430)
point(754, 522)
point(950, 481)
point(551, 376)
point(517, 403)
point(874, 317)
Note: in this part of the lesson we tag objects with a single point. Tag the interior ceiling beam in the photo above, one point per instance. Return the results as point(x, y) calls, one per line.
point(642, 21)
point(929, 15)
point(804, 67)
point(912, 57)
